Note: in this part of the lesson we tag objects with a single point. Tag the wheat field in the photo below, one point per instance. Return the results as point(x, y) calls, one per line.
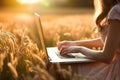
point(21, 57)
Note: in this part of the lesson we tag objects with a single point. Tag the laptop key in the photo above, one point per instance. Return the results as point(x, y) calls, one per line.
point(63, 56)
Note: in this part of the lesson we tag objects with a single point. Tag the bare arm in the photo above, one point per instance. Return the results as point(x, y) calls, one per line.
point(87, 43)
point(111, 44)
point(90, 43)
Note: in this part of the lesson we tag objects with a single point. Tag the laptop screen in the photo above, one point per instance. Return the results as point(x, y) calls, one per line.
point(40, 33)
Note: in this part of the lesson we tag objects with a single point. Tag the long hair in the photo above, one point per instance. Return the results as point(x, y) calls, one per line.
point(102, 7)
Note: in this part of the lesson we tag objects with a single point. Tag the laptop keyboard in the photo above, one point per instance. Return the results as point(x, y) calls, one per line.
point(63, 56)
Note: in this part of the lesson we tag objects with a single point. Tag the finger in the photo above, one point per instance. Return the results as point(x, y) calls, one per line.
point(61, 51)
point(61, 44)
point(58, 46)
point(62, 48)
point(64, 51)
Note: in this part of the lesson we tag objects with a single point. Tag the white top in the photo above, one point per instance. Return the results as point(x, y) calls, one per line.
point(114, 12)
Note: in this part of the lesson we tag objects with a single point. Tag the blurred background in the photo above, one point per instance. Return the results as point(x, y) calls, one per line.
point(45, 6)
point(60, 3)
point(62, 19)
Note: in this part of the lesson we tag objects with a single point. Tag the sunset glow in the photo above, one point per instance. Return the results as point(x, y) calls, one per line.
point(28, 1)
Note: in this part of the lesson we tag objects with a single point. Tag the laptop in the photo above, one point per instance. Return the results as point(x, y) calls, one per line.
point(53, 54)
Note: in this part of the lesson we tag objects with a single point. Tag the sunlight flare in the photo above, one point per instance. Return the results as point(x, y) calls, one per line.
point(28, 1)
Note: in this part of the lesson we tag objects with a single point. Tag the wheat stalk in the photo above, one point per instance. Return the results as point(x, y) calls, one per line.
point(2, 57)
point(13, 70)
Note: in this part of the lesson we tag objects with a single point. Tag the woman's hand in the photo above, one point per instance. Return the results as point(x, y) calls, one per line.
point(70, 49)
point(65, 44)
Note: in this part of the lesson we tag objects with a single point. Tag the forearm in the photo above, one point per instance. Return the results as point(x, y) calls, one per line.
point(90, 43)
point(95, 55)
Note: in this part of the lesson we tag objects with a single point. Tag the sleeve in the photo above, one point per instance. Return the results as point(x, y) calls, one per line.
point(114, 13)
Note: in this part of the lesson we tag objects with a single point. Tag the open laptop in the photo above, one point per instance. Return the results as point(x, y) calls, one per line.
point(53, 53)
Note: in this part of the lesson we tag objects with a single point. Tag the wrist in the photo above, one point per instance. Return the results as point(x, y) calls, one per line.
point(77, 43)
